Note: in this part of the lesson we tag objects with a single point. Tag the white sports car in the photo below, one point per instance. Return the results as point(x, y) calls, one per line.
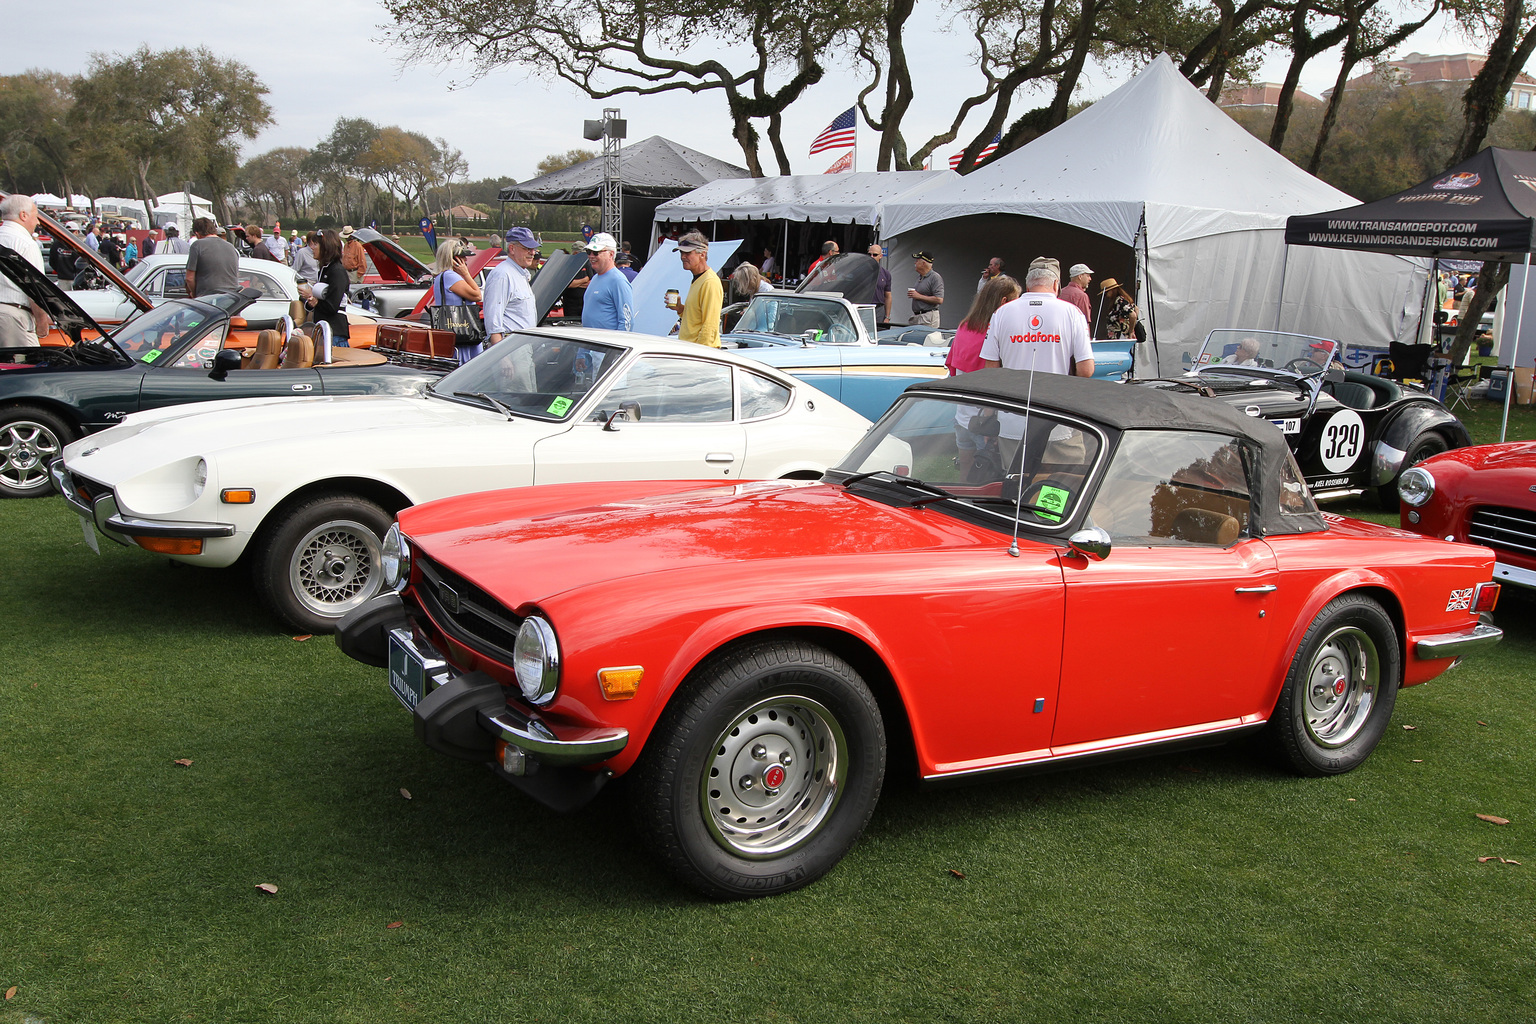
point(162, 277)
point(305, 488)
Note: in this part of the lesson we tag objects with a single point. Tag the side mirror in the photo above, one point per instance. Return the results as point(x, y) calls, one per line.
point(1091, 543)
point(239, 323)
point(224, 360)
point(628, 412)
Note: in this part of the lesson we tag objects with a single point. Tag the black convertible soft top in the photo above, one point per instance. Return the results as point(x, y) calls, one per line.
point(1127, 407)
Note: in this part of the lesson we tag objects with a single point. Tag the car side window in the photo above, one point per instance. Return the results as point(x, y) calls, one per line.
point(760, 396)
point(269, 288)
point(671, 390)
point(1168, 488)
point(200, 356)
point(174, 284)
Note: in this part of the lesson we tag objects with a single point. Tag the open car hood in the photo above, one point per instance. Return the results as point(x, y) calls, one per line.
point(553, 279)
point(72, 242)
point(69, 317)
point(394, 264)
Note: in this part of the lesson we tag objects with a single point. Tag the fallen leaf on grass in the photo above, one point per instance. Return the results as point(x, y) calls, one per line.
point(1494, 818)
point(10, 993)
point(1409, 728)
point(405, 792)
point(1349, 799)
point(1501, 860)
point(394, 924)
point(306, 636)
point(1483, 724)
point(1418, 760)
point(268, 888)
point(185, 762)
point(957, 874)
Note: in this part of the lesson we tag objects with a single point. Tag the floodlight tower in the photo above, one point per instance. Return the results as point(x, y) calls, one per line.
point(611, 129)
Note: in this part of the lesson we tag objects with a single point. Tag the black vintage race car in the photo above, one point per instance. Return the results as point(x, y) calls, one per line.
point(1352, 432)
point(168, 355)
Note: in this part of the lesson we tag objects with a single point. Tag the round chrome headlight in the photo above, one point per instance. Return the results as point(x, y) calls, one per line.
point(1416, 486)
point(199, 478)
point(395, 558)
point(536, 660)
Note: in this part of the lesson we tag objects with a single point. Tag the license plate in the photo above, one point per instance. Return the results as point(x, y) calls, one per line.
point(407, 673)
point(89, 529)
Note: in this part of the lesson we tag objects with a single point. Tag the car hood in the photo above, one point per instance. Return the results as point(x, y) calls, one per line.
point(1497, 469)
point(560, 537)
point(219, 430)
point(34, 284)
point(72, 242)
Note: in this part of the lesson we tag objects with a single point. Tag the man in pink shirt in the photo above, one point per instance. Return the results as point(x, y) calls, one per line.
point(1076, 290)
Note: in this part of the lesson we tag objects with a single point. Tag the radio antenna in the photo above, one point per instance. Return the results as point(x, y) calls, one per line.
point(1018, 497)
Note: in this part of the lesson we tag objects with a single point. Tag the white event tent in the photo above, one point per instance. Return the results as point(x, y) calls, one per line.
point(1155, 185)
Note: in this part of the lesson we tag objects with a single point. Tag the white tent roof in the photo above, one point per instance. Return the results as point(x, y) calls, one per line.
point(857, 198)
point(1154, 144)
point(180, 199)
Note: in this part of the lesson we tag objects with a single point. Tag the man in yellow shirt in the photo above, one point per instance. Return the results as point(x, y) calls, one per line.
point(699, 314)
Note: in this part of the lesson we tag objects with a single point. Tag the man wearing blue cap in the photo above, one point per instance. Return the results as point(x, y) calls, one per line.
point(507, 295)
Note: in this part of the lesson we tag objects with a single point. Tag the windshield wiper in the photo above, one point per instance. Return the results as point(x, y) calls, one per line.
point(938, 493)
point(501, 407)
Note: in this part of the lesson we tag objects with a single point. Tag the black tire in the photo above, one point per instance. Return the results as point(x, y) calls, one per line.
point(704, 789)
point(1426, 444)
point(29, 438)
point(319, 558)
point(1341, 688)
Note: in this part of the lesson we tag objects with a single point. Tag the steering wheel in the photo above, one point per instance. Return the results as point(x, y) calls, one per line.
point(1302, 364)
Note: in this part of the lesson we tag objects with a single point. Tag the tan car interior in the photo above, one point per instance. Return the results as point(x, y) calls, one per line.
point(269, 352)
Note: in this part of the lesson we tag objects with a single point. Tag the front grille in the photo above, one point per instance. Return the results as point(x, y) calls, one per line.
point(1507, 529)
point(92, 489)
point(465, 612)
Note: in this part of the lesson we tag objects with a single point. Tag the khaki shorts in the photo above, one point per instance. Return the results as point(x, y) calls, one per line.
point(928, 319)
point(16, 328)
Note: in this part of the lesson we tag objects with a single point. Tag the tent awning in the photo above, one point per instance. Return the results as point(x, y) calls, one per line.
point(858, 198)
point(653, 168)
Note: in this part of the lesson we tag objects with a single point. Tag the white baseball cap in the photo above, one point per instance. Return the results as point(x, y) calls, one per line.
point(602, 242)
point(1079, 268)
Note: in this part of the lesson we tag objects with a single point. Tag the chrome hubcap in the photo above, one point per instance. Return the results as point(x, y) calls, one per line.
point(335, 568)
point(774, 777)
point(25, 448)
point(1341, 686)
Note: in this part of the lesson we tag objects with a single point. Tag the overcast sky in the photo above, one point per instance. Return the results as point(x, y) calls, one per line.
point(324, 61)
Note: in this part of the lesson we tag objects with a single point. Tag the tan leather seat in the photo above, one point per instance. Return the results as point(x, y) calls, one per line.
point(1202, 526)
point(268, 352)
point(300, 353)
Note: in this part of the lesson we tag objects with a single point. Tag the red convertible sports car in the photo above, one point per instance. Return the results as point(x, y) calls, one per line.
point(1484, 495)
point(1007, 574)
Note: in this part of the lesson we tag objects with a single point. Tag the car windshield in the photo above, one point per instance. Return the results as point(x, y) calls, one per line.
point(851, 275)
point(993, 458)
point(540, 375)
point(1226, 350)
point(795, 316)
point(153, 334)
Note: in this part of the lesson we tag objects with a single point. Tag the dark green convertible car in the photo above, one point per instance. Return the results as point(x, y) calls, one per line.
point(168, 355)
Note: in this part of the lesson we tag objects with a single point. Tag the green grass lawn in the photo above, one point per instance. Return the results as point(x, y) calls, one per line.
point(1206, 886)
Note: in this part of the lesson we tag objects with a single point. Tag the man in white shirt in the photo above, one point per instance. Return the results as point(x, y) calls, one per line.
point(1038, 331)
point(507, 296)
point(22, 321)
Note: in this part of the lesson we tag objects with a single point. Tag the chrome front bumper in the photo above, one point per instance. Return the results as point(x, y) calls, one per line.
point(1459, 644)
point(104, 513)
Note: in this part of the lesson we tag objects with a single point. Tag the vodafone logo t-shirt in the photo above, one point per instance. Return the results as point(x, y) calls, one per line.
point(1038, 331)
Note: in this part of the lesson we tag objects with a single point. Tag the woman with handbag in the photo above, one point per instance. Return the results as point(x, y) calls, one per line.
point(326, 299)
point(454, 294)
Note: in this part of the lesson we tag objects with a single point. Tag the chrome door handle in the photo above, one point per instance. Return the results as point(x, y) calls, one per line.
point(1267, 588)
point(719, 457)
point(303, 387)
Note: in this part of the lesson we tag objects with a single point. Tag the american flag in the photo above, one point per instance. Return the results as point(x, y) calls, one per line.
point(841, 164)
point(838, 135)
point(954, 161)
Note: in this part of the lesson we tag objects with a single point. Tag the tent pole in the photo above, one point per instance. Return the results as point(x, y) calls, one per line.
point(1429, 289)
point(1285, 264)
point(1146, 277)
point(1509, 382)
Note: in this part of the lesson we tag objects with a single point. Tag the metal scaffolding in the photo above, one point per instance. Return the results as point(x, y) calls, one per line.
point(613, 182)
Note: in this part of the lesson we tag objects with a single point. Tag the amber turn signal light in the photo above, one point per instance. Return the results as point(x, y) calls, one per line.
point(1486, 597)
point(171, 545)
point(237, 495)
point(620, 683)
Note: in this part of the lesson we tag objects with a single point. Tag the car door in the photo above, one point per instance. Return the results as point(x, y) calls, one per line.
point(187, 379)
point(681, 425)
point(1172, 631)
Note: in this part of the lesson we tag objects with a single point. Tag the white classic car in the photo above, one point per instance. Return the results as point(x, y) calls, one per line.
point(162, 277)
point(307, 487)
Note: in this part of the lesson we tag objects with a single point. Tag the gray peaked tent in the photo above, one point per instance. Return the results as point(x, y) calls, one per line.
point(653, 170)
point(1154, 184)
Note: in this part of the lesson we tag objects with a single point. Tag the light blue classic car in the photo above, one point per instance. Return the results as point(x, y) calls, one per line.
point(831, 341)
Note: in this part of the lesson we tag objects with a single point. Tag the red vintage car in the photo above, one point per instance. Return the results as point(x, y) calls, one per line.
point(1006, 575)
point(1484, 495)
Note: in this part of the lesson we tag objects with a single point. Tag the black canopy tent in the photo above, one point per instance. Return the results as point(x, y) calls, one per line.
point(652, 171)
point(1484, 208)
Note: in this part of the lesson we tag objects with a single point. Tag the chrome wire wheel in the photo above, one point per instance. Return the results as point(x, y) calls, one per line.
point(1341, 686)
point(775, 776)
point(336, 567)
point(25, 448)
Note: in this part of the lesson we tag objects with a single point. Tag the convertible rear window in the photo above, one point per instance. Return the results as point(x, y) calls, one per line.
point(1168, 487)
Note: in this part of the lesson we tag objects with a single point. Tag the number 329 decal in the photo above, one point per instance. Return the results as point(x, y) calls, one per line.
point(1342, 439)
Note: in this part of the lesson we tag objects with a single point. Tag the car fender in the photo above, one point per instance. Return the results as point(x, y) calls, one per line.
point(1326, 590)
point(1407, 423)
